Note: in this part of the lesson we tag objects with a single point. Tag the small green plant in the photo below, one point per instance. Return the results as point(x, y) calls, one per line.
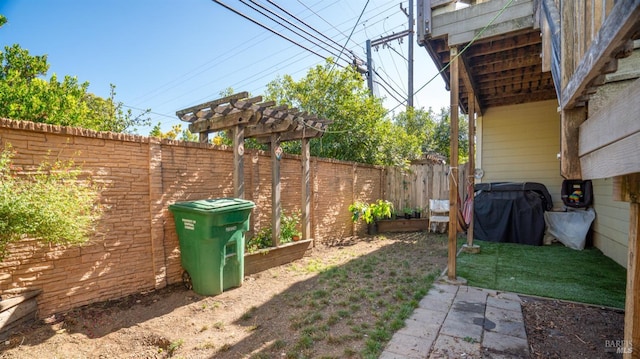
point(369, 213)
point(53, 204)
point(357, 210)
point(289, 227)
point(260, 241)
point(469, 340)
point(175, 345)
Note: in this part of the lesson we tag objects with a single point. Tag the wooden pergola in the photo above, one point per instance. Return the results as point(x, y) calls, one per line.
point(245, 117)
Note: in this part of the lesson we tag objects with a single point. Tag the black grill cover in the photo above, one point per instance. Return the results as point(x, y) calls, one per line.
point(510, 212)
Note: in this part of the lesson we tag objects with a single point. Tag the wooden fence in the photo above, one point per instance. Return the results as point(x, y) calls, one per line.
point(414, 187)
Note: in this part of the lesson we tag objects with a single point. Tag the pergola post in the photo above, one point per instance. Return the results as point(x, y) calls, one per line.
point(251, 118)
point(275, 192)
point(453, 167)
point(306, 188)
point(238, 161)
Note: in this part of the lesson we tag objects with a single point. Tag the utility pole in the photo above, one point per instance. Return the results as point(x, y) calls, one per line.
point(410, 75)
point(389, 38)
point(369, 67)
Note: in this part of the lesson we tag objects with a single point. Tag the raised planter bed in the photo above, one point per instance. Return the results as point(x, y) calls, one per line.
point(273, 257)
point(403, 225)
point(19, 309)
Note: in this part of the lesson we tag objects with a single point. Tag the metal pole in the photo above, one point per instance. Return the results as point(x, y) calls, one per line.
point(410, 75)
point(369, 68)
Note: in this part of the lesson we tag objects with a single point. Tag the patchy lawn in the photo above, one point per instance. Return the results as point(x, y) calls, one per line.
point(344, 300)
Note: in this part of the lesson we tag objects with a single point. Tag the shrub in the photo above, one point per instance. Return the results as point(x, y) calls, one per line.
point(52, 204)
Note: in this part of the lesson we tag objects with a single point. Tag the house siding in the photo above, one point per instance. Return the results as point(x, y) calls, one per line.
point(520, 143)
point(611, 227)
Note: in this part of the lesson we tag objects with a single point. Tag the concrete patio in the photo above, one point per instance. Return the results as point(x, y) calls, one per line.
point(462, 322)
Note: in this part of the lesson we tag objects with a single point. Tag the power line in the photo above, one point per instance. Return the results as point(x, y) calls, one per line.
point(290, 23)
point(352, 30)
point(267, 28)
point(304, 23)
point(461, 51)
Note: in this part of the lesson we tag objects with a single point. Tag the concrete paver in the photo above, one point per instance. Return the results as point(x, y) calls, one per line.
point(458, 321)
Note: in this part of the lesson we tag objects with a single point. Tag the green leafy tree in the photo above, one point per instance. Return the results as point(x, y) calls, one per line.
point(25, 94)
point(441, 139)
point(176, 132)
point(419, 123)
point(52, 204)
point(359, 132)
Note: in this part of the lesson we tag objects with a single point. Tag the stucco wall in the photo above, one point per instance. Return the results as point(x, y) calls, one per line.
point(136, 247)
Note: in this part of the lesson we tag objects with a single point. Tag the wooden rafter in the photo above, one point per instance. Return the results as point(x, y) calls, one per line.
point(259, 119)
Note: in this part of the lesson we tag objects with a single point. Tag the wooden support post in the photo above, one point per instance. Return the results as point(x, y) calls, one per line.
point(306, 189)
point(276, 211)
point(569, 142)
point(627, 188)
point(238, 161)
point(453, 167)
point(203, 137)
point(471, 164)
point(632, 300)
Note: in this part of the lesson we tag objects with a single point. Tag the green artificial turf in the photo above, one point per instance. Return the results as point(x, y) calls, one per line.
point(554, 271)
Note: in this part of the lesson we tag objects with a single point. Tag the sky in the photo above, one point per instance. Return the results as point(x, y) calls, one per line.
point(166, 55)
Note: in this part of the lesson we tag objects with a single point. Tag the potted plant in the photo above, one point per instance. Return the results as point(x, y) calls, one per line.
point(417, 212)
point(370, 213)
point(289, 227)
point(381, 209)
point(408, 211)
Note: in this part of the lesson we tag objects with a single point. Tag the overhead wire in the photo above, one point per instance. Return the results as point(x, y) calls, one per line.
point(290, 23)
point(182, 79)
point(267, 28)
point(370, 20)
point(351, 34)
point(303, 22)
point(464, 49)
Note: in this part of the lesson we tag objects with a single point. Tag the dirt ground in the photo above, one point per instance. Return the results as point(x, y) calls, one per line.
point(558, 329)
point(273, 311)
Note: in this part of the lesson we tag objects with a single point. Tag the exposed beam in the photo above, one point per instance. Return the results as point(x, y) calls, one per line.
point(518, 99)
point(262, 129)
point(237, 96)
point(481, 48)
point(470, 86)
point(223, 122)
point(618, 27)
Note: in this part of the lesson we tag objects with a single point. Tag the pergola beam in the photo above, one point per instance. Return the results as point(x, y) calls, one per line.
point(268, 123)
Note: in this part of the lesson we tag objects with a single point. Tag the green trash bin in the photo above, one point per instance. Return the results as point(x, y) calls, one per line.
point(211, 236)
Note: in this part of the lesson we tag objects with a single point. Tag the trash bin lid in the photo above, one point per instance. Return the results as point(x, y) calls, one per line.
point(215, 205)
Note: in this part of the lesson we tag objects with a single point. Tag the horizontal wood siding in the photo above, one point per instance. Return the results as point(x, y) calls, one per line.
point(520, 144)
point(611, 227)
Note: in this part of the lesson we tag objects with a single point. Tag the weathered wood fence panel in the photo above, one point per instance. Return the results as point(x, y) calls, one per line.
point(414, 187)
